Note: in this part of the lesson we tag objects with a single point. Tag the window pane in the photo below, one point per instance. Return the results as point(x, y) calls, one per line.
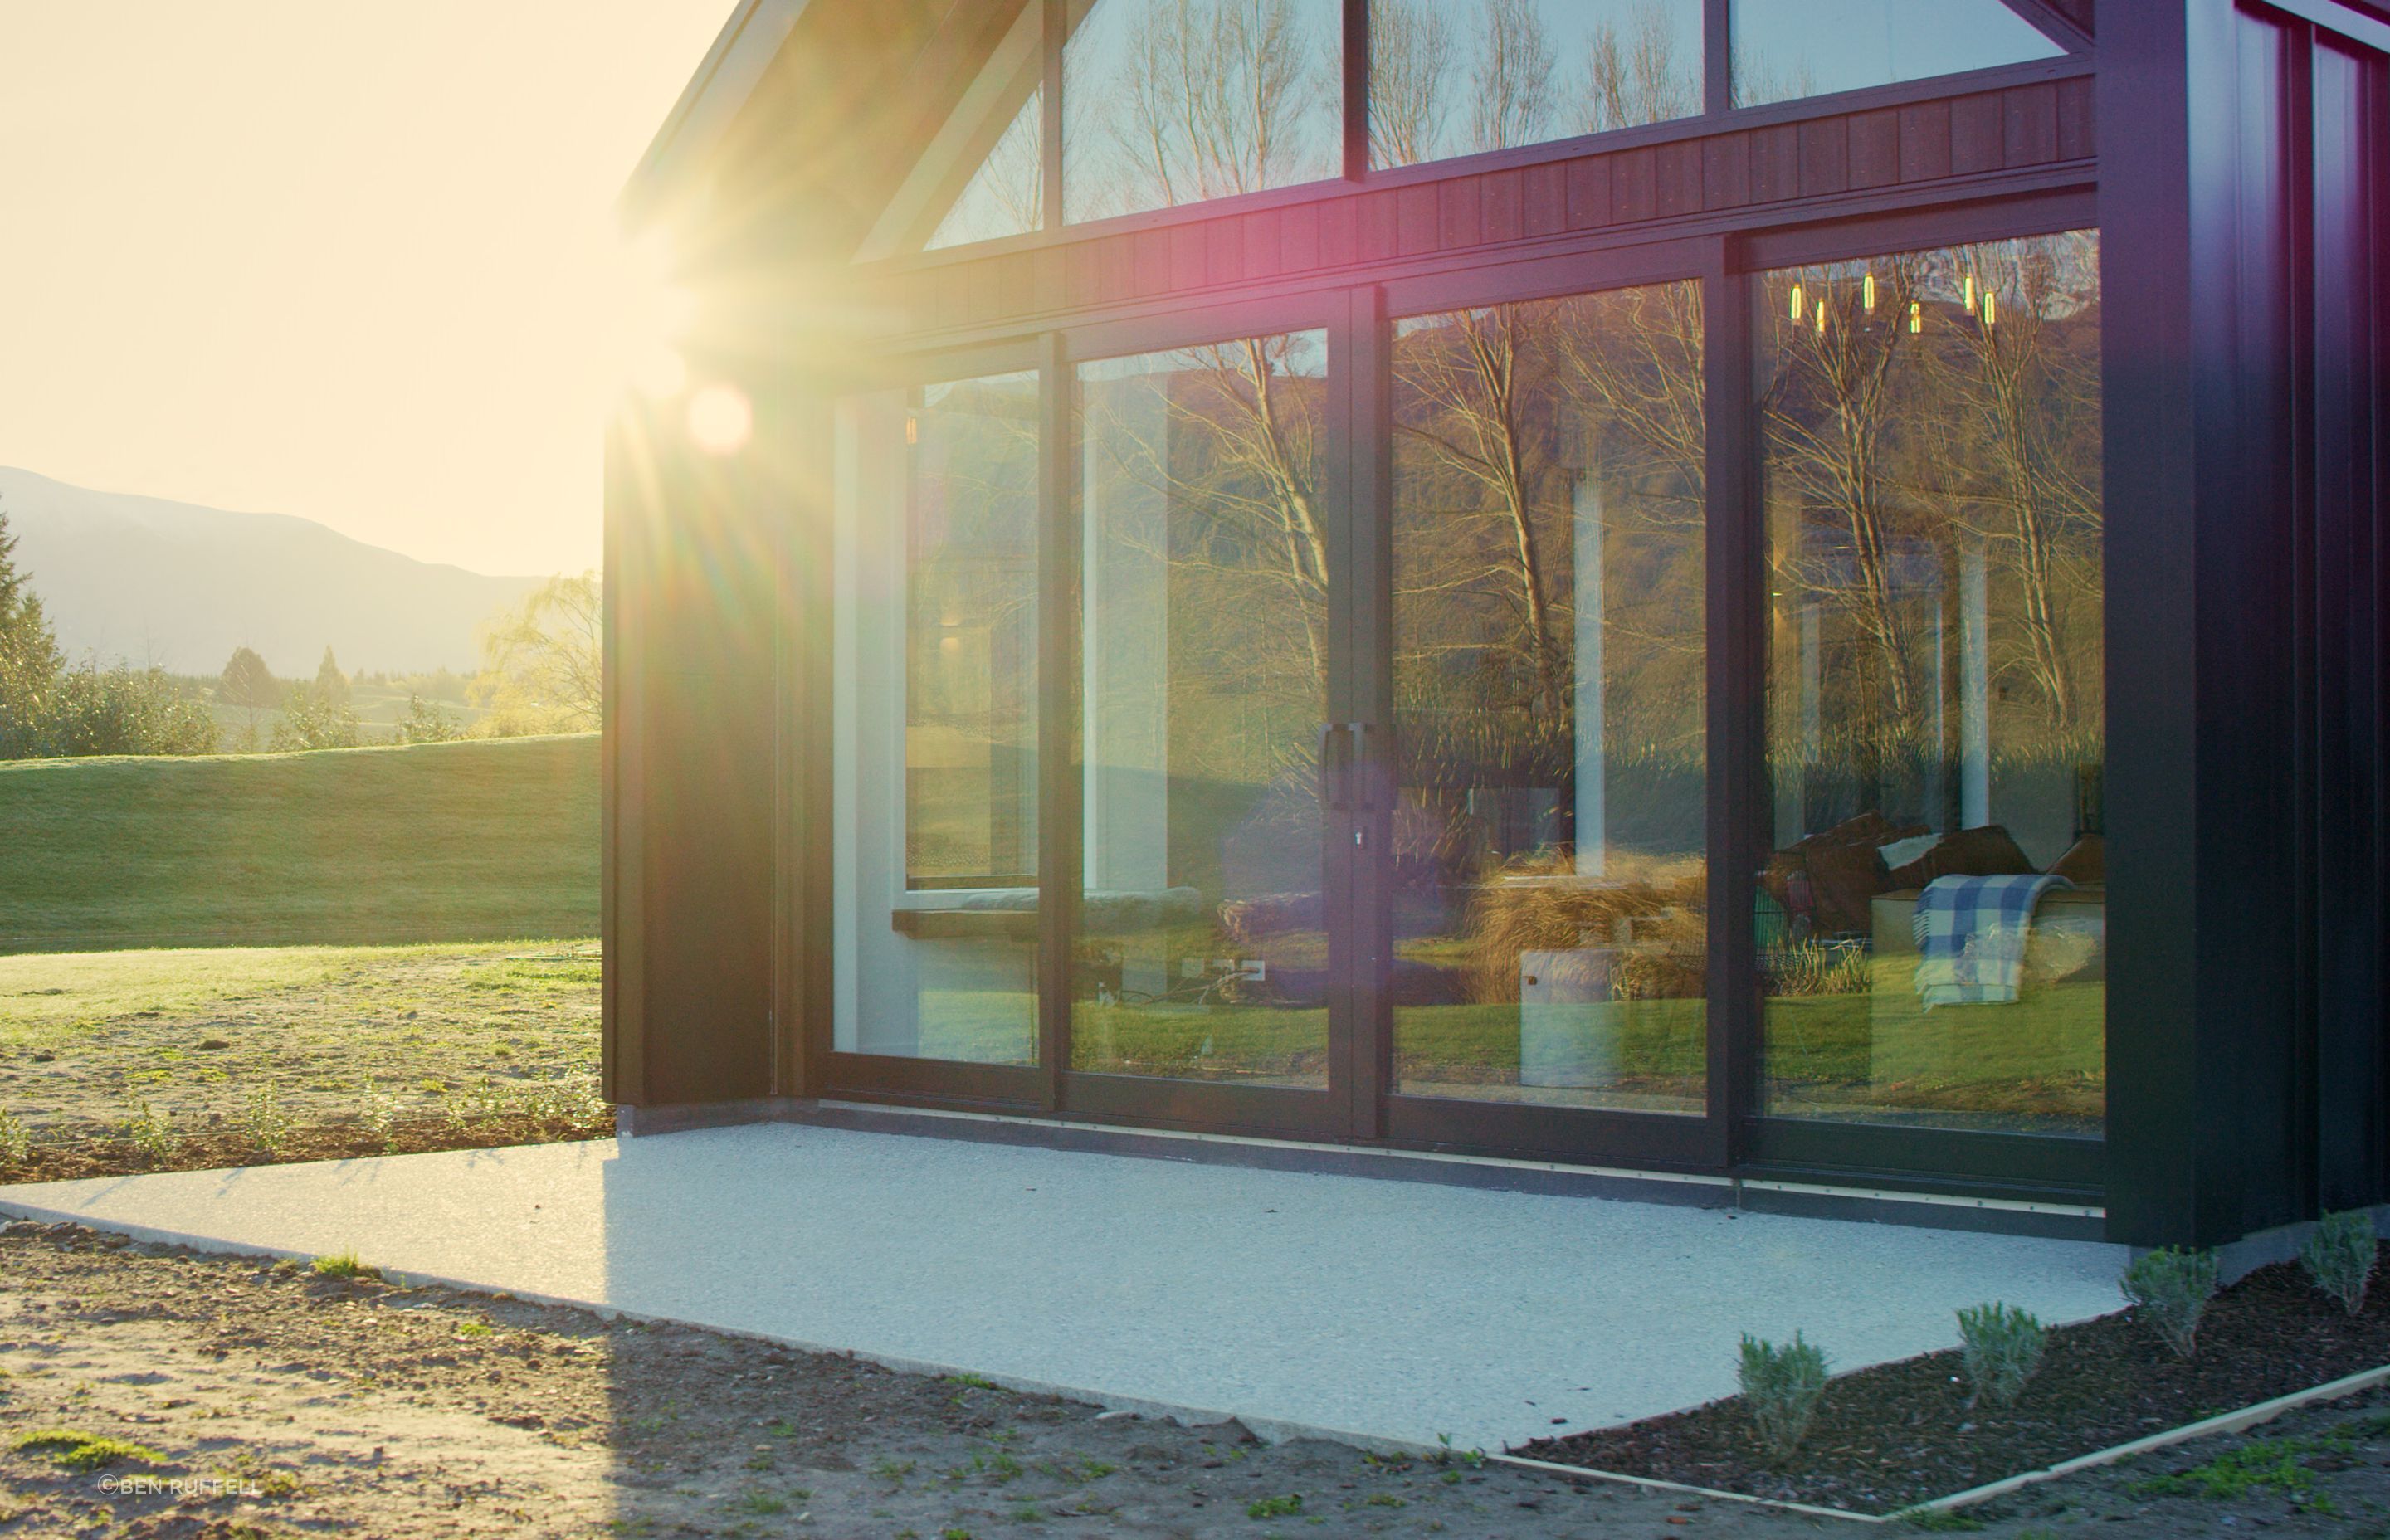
point(1551, 906)
point(1450, 79)
point(1789, 48)
point(935, 860)
point(1933, 920)
point(1003, 197)
point(1202, 950)
point(1174, 101)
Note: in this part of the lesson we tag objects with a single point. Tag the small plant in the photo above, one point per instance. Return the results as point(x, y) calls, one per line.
point(15, 1140)
point(2002, 1347)
point(475, 1328)
point(2169, 1290)
point(73, 1450)
point(377, 1113)
point(343, 1264)
point(1275, 1508)
point(263, 1119)
point(150, 1132)
point(1782, 1385)
point(2339, 1257)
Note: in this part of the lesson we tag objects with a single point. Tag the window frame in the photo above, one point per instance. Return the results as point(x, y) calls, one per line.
point(1719, 113)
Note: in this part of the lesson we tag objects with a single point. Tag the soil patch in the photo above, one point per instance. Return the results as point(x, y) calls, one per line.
point(1889, 1437)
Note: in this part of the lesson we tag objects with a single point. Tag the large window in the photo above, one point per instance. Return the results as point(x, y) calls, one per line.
point(1202, 949)
point(1171, 102)
point(1453, 77)
point(936, 833)
point(1550, 903)
point(1175, 101)
point(1788, 48)
point(1933, 920)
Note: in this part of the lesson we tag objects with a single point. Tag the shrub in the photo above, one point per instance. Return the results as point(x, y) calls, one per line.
point(2339, 1257)
point(16, 1139)
point(378, 1110)
point(150, 1132)
point(2001, 1346)
point(2169, 1290)
point(316, 717)
point(428, 723)
point(263, 1119)
point(125, 710)
point(1782, 1385)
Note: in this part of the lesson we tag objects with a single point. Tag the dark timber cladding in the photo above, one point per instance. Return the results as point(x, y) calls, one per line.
point(2232, 157)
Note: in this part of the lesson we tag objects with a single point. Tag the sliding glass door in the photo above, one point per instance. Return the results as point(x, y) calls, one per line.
point(1609, 710)
point(1209, 593)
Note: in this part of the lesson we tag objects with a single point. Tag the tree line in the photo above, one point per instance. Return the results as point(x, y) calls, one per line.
point(540, 673)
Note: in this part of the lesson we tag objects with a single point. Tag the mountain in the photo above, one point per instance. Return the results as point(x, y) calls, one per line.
point(181, 586)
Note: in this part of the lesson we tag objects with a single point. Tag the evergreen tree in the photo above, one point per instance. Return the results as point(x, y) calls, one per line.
point(331, 683)
point(29, 662)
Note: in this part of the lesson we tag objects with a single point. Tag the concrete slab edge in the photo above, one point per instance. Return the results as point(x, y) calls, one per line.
point(2223, 1422)
point(1269, 1430)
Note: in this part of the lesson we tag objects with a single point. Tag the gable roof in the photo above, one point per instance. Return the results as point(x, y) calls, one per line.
point(726, 79)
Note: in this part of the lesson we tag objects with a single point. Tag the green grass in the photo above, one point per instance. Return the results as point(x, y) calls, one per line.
point(2276, 1465)
point(343, 1264)
point(73, 1450)
point(451, 842)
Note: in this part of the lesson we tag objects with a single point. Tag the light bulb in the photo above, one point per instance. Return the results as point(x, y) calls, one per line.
point(1866, 293)
point(1970, 294)
point(1822, 317)
point(1798, 304)
point(1916, 318)
point(1991, 307)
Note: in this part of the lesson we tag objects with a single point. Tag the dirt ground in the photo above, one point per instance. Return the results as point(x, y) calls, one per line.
point(209, 1046)
point(288, 1404)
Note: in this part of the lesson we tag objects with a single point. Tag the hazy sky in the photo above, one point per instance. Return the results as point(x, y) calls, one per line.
point(345, 259)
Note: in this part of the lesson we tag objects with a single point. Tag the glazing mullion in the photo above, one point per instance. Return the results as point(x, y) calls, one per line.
point(1735, 674)
point(1057, 790)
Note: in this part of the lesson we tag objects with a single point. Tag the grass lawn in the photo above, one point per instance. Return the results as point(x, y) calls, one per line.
point(485, 839)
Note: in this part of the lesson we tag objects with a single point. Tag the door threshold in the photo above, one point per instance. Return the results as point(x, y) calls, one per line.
point(1700, 1189)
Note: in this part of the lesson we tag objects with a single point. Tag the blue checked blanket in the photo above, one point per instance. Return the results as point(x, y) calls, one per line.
point(1971, 934)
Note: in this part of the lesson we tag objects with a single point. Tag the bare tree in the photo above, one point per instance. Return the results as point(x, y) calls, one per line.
point(1412, 54)
point(1633, 74)
point(540, 659)
point(2012, 395)
point(1466, 376)
point(1829, 410)
point(1510, 82)
point(1202, 99)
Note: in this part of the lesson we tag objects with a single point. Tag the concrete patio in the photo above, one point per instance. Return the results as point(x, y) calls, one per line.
point(1386, 1311)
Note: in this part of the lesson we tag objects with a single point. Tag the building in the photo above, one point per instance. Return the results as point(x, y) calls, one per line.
point(1495, 579)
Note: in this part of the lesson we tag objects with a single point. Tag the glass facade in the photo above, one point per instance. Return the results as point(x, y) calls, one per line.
point(1789, 48)
point(1315, 739)
point(1202, 951)
point(1550, 898)
point(936, 859)
point(1448, 79)
point(1933, 919)
point(1172, 102)
point(1177, 102)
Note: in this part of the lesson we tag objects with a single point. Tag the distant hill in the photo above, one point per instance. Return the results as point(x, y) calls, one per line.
point(181, 586)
